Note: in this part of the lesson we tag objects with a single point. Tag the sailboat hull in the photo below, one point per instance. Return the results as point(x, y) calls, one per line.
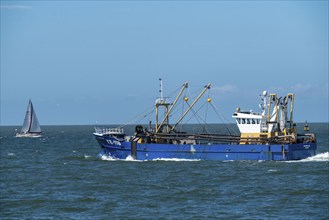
point(150, 151)
point(28, 135)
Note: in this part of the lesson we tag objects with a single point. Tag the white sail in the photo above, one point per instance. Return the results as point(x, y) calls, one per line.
point(31, 124)
point(27, 119)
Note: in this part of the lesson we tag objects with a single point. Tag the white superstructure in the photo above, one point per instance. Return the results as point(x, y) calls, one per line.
point(273, 119)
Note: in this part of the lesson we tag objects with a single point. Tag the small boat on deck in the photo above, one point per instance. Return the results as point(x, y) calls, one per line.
point(31, 127)
point(268, 135)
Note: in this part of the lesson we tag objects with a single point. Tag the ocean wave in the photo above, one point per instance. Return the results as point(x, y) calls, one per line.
point(272, 170)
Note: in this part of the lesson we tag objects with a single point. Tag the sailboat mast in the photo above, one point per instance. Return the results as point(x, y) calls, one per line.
point(31, 115)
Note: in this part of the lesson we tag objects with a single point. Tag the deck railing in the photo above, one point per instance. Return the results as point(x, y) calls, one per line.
point(108, 130)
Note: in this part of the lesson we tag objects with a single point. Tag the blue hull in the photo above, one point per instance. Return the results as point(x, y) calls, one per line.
point(151, 151)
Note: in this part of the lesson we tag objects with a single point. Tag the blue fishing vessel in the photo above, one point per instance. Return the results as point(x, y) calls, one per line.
point(268, 135)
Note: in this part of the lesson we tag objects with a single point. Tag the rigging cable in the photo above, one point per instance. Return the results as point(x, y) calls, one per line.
point(223, 118)
point(145, 113)
point(198, 118)
point(206, 114)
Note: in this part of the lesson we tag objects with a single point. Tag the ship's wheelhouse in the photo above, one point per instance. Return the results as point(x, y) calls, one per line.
point(248, 122)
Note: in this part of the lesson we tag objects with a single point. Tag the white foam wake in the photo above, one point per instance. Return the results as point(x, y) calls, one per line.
point(130, 158)
point(322, 157)
point(110, 158)
point(174, 159)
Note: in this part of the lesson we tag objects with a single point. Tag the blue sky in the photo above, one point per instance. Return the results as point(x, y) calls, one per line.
point(87, 61)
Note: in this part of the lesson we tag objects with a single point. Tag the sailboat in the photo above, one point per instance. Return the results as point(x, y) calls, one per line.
point(31, 126)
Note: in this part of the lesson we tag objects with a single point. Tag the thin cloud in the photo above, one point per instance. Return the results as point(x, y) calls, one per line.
point(311, 88)
point(307, 90)
point(303, 87)
point(225, 88)
point(16, 7)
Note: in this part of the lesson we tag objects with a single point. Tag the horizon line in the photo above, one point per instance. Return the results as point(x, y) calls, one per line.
point(142, 124)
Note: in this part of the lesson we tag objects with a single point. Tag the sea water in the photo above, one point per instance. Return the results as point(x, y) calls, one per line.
point(62, 176)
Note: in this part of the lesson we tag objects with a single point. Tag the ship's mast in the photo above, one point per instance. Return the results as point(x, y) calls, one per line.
point(161, 89)
point(162, 101)
point(165, 102)
point(292, 100)
point(171, 107)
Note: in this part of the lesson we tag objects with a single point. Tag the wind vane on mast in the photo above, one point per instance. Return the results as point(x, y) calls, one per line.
point(162, 100)
point(161, 94)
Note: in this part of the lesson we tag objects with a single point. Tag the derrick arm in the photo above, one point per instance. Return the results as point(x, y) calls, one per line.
point(203, 91)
